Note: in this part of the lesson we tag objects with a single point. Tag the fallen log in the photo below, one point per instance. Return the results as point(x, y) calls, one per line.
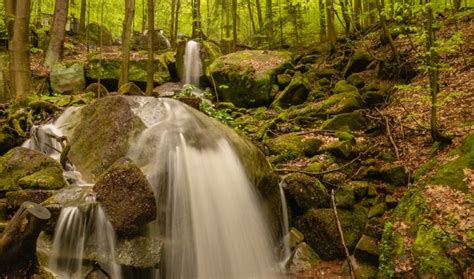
point(18, 241)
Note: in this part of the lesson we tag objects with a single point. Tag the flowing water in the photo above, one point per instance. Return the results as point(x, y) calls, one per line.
point(208, 210)
point(192, 63)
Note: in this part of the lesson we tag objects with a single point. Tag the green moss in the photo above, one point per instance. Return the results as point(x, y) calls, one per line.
point(304, 192)
point(290, 146)
point(50, 178)
point(356, 80)
point(425, 168)
point(352, 121)
point(295, 93)
point(345, 197)
point(343, 86)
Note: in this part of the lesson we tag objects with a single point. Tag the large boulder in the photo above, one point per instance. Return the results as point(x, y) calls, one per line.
point(101, 135)
point(125, 179)
point(246, 78)
point(320, 230)
point(304, 192)
point(98, 34)
point(67, 80)
point(109, 68)
point(29, 169)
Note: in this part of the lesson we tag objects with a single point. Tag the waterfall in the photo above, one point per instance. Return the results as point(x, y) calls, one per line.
point(286, 250)
point(213, 219)
point(74, 229)
point(192, 63)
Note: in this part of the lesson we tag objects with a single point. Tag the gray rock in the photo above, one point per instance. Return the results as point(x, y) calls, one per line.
point(67, 80)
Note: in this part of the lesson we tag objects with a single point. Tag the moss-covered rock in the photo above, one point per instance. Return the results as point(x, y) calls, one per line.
point(290, 146)
point(98, 34)
point(295, 93)
point(131, 89)
point(103, 132)
point(395, 174)
point(327, 73)
point(352, 121)
point(21, 163)
point(345, 197)
point(367, 249)
point(357, 63)
point(246, 78)
point(360, 188)
point(67, 80)
point(341, 149)
point(16, 198)
point(283, 80)
point(125, 179)
point(211, 52)
point(98, 89)
point(343, 86)
point(320, 230)
point(110, 69)
point(304, 192)
point(356, 80)
point(377, 210)
point(303, 260)
point(295, 237)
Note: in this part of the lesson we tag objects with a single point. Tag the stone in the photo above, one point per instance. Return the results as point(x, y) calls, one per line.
point(345, 197)
point(356, 80)
point(283, 80)
point(67, 79)
point(357, 63)
point(367, 249)
point(373, 98)
point(290, 146)
point(245, 78)
point(377, 210)
point(326, 73)
point(320, 230)
point(295, 93)
point(360, 188)
point(343, 86)
point(16, 198)
point(304, 192)
point(125, 179)
point(3, 210)
point(353, 121)
point(303, 260)
point(374, 227)
point(168, 89)
point(102, 132)
point(309, 59)
point(50, 178)
point(391, 201)
point(130, 89)
point(341, 149)
point(98, 89)
point(295, 237)
point(210, 52)
point(395, 174)
point(22, 162)
point(98, 34)
point(140, 252)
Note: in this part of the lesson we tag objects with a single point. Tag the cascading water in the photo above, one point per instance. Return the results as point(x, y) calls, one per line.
point(213, 222)
point(192, 63)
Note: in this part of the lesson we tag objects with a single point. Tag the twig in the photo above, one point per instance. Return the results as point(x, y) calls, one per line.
point(331, 170)
point(389, 133)
point(341, 234)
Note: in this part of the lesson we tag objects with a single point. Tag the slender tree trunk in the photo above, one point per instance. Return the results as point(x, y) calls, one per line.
point(345, 15)
point(383, 22)
point(234, 23)
point(172, 21)
point(143, 16)
point(9, 18)
point(151, 54)
point(269, 21)
point(432, 62)
point(82, 20)
point(259, 16)
point(20, 73)
point(57, 32)
point(322, 21)
point(197, 31)
point(176, 20)
point(252, 21)
point(357, 13)
point(331, 32)
point(126, 37)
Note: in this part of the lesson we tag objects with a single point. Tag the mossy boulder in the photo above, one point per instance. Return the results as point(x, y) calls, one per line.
point(357, 63)
point(98, 34)
point(283, 80)
point(246, 78)
point(102, 135)
point(320, 230)
point(131, 89)
point(125, 179)
point(304, 192)
point(16, 198)
point(395, 174)
point(352, 121)
point(367, 249)
point(345, 149)
point(377, 210)
point(345, 197)
point(37, 170)
point(98, 89)
point(343, 86)
point(295, 93)
point(327, 73)
point(211, 51)
point(303, 260)
point(290, 146)
point(356, 80)
point(109, 68)
point(67, 79)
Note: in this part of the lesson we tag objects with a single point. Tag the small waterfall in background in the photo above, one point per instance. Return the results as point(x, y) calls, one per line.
point(192, 63)
point(214, 224)
point(286, 250)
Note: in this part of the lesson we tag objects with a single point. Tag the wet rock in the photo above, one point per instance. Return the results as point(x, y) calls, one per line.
point(320, 230)
point(140, 252)
point(304, 192)
point(103, 132)
point(367, 249)
point(130, 89)
point(67, 80)
point(303, 260)
point(295, 93)
point(125, 179)
point(357, 63)
point(16, 198)
point(245, 78)
point(168, 89)
point(353, 121)
point(395, 174)
point(32, 166)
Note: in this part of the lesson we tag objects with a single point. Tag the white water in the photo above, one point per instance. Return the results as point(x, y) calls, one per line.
point(192, 63)
point(286, 250)
point(214, 224)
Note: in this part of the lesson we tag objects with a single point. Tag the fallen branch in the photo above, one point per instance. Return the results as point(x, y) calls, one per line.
point(389, 134)
point(341, 234)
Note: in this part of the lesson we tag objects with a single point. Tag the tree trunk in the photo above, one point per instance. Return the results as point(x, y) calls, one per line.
point(432, 62)
point(234, 24)
point(9, 18)
point(332, 36)
point(176, 20)
point(82, 20)
point(126, 37)
point(357, 13)
point(20, 73)
point(345, 15)
point(57, 32)
point(172, 21)
point(18, 241)
point(259, 16)
point(151, 54)
point(197, 20)
point(322, 21)
point(383, 22)
point(252, 21)
point(269, 21)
